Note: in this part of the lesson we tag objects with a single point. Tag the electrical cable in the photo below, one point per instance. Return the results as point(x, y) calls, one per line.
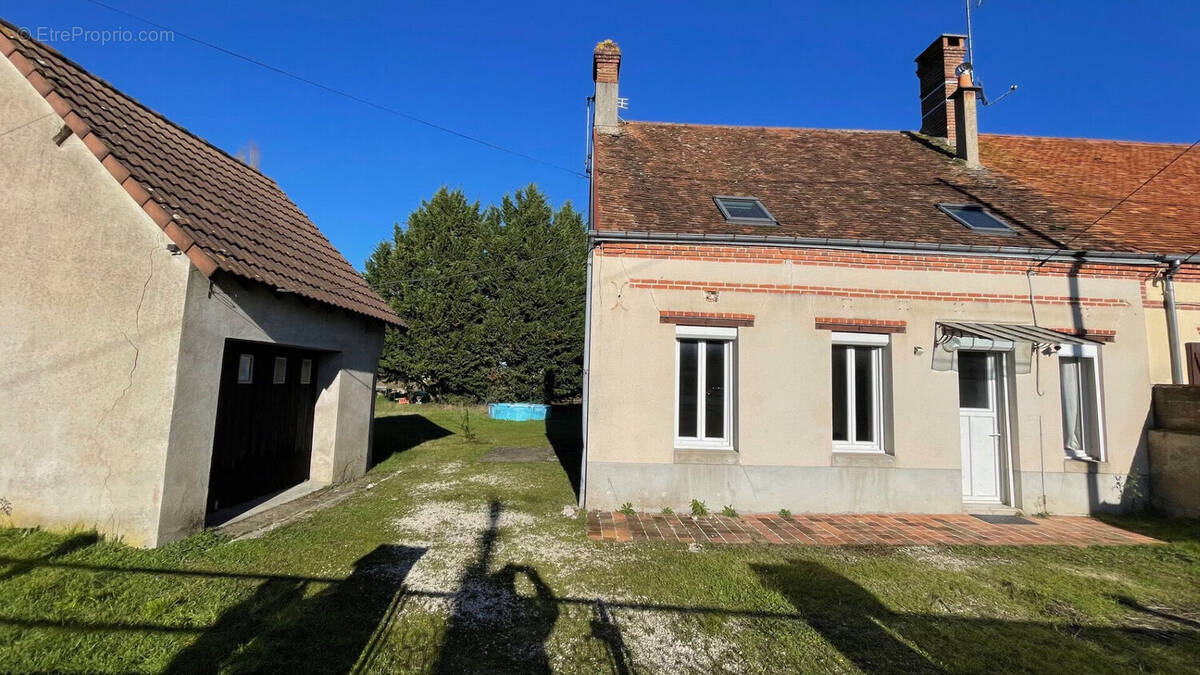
point(339, 92)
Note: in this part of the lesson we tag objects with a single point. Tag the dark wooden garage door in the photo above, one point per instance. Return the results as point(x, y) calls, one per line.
point(263, 440)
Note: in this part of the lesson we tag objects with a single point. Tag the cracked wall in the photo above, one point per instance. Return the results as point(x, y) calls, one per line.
point(92, 305)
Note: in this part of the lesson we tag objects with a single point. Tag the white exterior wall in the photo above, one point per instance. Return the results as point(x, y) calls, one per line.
point(784, 404)
point(344, 416)
point(111, 348)
point(92, 305)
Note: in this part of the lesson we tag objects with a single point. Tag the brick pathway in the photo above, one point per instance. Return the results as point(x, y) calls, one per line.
point(854, 530)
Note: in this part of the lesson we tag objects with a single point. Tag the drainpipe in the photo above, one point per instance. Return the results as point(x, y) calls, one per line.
point(587, 370)
point(1172, 322)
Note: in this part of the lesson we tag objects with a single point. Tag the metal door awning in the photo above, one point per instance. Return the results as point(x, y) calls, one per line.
point(1021, 340)
point(1011, 334)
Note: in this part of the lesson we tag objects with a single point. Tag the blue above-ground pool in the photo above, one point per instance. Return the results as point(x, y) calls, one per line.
point(518, 412)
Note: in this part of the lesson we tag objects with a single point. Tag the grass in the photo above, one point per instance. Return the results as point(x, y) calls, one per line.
point(450, 564)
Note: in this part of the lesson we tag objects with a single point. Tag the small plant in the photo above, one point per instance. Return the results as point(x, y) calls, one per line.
point(1130, 488)
point(698, 508)
point(728, 511)
point(668, 511)
point(785, 514)
point(467, 431)
point(627, 509)
point(5, 506)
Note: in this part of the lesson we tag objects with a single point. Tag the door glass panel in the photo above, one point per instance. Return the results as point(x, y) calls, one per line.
point(840, 412)
point(973, 380)
point(714, 385)
point(688, 381)
point(864, 395)
point(245, 369)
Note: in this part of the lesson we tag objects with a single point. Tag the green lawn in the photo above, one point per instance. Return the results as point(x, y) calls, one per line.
point(449, 564)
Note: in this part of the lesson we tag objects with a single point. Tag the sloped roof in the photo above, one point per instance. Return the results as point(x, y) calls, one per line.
point(224, 214)
point(882, 186)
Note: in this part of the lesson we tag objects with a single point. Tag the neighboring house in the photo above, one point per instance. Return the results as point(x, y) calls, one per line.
point(178, 337)
point(878, 321)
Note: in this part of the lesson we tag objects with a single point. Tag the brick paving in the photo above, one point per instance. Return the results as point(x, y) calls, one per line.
point(857, 530)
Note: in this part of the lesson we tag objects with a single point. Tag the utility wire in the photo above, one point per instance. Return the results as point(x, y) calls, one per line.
point(440, 277)
point(342, 93)
point(1126, 198)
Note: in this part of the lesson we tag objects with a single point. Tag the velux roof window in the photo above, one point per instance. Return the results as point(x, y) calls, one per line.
point(746, 210)
point(977, 218)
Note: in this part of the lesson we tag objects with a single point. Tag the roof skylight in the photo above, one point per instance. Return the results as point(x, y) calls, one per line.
point(977, 218)
point(746, 210)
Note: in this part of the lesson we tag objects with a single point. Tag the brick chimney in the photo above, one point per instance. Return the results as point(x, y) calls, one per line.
point(935, 71)
point(606, 67)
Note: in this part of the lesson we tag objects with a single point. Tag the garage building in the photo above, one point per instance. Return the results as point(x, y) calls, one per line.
point(178, 337)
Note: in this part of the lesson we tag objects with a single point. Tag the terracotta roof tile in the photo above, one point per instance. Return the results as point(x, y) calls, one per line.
point(224, 214)
point(883, 186)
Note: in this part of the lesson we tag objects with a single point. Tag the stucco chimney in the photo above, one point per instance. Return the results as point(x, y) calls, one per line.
point(966, 134)
point(935, 71)
point(606, 67)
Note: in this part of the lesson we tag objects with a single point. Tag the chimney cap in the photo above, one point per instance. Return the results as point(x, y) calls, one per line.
point(606, 62)
point(607, 47)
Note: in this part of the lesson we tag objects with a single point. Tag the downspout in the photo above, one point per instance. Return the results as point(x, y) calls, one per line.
point(587, 369)
point(1172, 322)
point(587, 309)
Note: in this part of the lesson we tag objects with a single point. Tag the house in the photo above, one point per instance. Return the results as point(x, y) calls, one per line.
point(880, 321)
point(178, 336)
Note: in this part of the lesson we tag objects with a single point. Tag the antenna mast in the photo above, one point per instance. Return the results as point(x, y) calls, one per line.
point(970, 37)
point(971, 57)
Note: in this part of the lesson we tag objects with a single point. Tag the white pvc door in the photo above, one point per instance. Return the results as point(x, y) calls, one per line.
point(979, 426)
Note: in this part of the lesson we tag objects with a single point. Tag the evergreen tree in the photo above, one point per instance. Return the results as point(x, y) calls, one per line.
point(493, 300)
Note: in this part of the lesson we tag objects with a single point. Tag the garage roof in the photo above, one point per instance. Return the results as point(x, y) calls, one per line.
point(224, 214)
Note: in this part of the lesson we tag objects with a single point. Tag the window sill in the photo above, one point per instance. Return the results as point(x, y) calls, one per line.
point(1072, 464)
point(706, 456)
point(874, 458)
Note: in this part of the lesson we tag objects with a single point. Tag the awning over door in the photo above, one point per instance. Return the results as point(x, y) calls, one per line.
point(1012, 333)
point(1021, 339)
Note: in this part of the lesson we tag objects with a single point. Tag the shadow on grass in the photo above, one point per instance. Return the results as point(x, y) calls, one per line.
point(1162, 528)
point(564, 430)
point(493, 627)
point(395, 434)
point(501, 617)
point(74, 543)
point(878, 640)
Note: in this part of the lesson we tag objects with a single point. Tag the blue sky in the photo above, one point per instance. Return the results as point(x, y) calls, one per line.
point(517, 75)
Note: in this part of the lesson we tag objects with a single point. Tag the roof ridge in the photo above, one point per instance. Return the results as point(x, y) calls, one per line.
point(1119, 141)
point(707, 125)
point(20, 34)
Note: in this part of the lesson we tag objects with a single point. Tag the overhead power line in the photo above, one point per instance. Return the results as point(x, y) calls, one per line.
point(1126, 198)
point(339, 92)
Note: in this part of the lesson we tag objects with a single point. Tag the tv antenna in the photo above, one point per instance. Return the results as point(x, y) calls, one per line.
point(970, 64)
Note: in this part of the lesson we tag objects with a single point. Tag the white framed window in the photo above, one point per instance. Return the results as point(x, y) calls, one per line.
point(1082, 410)
point(704, 382)
point(245, 369)
point(280, 374)
point(857, 390)
point(305, 371)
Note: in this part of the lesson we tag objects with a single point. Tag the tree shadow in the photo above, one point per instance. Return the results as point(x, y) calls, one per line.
point(877, 639)
point(280, 629)
point(493, 626)
point(395, 434)
point(564, 430)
